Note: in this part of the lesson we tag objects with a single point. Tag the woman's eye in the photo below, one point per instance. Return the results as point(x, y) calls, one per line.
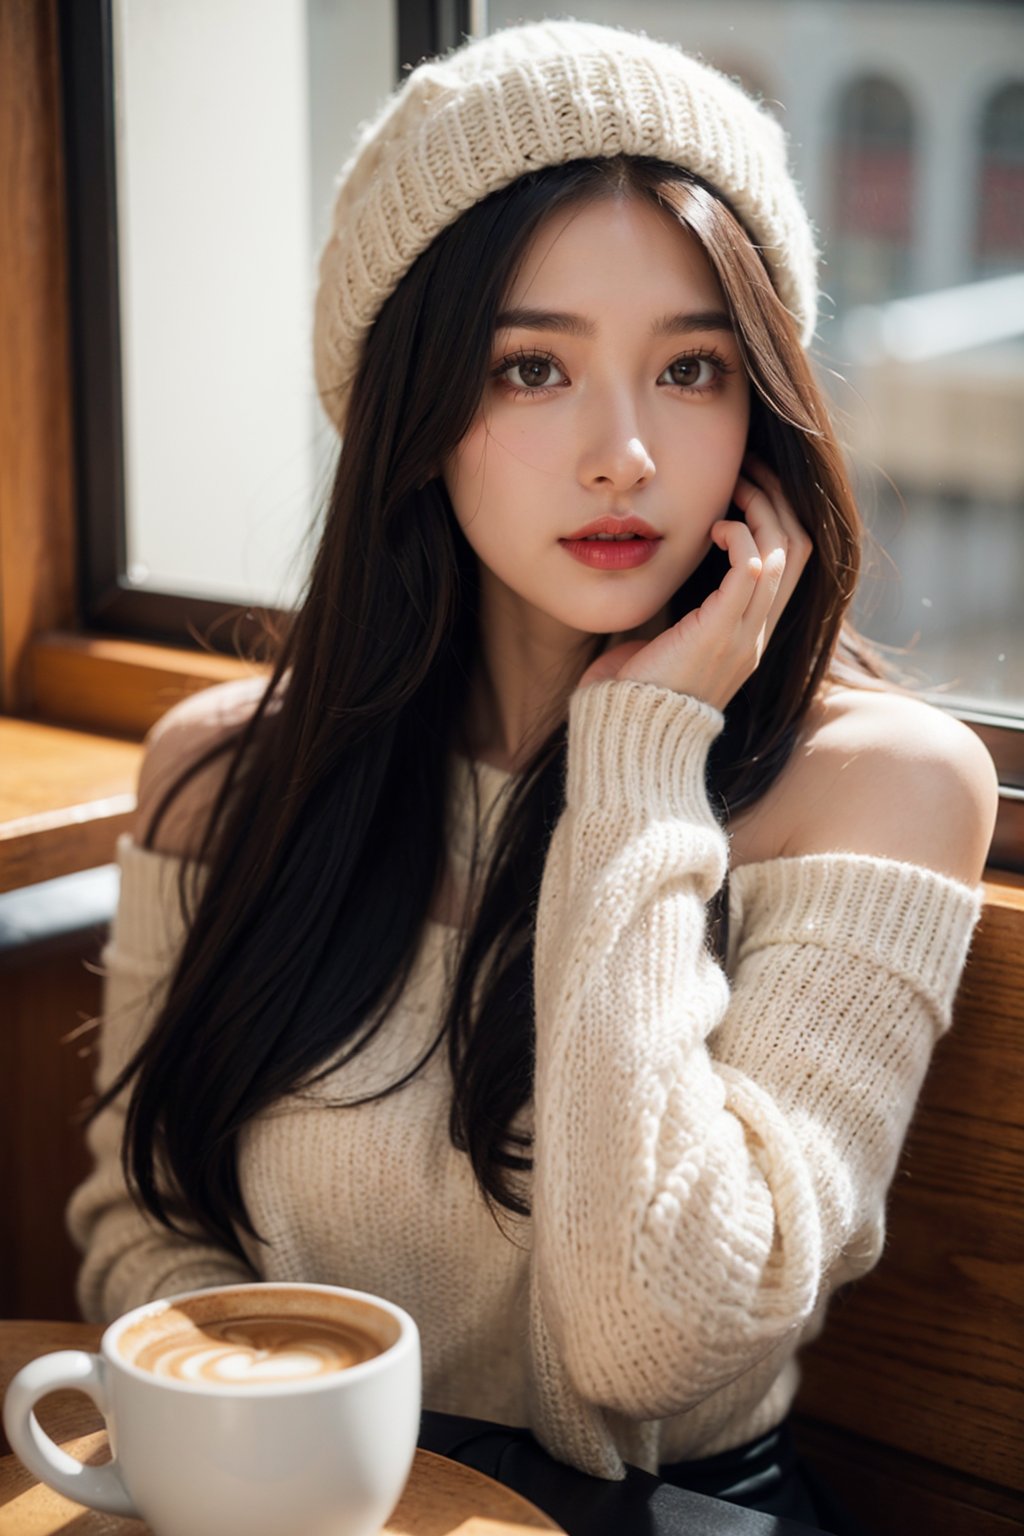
point(536, 373)
point(687, 372)
point(530, 374)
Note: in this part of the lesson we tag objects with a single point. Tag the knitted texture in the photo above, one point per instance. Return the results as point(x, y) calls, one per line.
point(712, 1147)
point(463, 126)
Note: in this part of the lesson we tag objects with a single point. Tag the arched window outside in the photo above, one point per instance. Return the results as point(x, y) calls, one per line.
point(999, 222)
point(873, 180)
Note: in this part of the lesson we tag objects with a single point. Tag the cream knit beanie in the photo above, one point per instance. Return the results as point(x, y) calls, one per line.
point(462, 126)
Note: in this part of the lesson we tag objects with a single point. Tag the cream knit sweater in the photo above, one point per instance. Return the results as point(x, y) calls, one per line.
point(712, 1149)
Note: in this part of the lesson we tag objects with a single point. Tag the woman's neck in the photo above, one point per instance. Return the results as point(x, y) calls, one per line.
point(528, 664)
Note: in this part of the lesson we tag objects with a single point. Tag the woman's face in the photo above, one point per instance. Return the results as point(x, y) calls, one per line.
point(629, 397)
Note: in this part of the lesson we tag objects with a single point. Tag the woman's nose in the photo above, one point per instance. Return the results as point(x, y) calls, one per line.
point(616, 452)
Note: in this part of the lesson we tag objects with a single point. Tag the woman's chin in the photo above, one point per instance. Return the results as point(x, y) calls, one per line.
point(646, 629)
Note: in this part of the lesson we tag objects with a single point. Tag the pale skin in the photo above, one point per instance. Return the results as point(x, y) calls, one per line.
point(633, 418)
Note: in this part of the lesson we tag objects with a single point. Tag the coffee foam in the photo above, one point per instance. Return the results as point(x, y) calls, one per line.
point(256, 1337)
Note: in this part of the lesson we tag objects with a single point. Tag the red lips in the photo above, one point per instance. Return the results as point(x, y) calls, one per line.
point(628, 524)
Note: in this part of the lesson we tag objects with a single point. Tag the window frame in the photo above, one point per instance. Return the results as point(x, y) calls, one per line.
point(109, 600)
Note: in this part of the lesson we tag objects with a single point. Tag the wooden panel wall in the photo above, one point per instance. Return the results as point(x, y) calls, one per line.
point(46, 1069)
point(37, 557)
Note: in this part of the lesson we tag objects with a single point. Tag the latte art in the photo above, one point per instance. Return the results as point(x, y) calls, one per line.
point(251, 1351)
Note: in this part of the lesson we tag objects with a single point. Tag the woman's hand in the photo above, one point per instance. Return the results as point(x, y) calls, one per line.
point(713, 649)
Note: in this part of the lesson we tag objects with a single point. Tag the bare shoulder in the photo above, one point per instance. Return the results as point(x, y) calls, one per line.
point(183, 736)
point(882, 773)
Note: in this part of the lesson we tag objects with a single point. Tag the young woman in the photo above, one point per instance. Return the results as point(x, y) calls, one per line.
point(556, 944)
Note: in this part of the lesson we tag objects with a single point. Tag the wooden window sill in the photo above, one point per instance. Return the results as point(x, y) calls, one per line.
point(67, 777)
point(64, 798)
point(119, 687)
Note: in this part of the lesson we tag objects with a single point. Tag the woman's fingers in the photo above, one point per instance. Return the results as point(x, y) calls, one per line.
point(770, 544)
point(799, 540)
point(745, 567)
point(781, 538)
point(762, 518)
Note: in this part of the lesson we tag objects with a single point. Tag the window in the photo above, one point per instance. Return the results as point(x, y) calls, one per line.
point(905, 126)
point(873, 188)
point(1000, 222)
point(207, 138)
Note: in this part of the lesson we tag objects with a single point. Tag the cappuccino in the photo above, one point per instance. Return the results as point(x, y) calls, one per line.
point(241, 1410)
point(255, 1340)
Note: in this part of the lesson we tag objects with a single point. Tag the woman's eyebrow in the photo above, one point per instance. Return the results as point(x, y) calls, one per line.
point(680, 324)
point(700, 320)
point(545, 320)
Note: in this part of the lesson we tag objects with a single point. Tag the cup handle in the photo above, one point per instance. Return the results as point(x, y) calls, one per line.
point(99, 1487)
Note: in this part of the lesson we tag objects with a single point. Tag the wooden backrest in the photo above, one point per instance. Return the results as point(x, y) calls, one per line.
point(45, 1077)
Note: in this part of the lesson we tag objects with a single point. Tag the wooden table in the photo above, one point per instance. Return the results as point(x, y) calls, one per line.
point(441, 1498)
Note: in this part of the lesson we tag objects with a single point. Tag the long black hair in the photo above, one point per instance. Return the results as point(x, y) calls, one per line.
point(326, 842)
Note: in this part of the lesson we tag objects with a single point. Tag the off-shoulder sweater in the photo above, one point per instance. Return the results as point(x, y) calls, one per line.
point(712, 1146)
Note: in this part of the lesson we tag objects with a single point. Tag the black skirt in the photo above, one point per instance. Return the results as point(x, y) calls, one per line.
point(767, 1474)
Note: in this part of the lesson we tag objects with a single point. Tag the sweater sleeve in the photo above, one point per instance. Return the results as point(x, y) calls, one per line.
point(711, 1158)
point(129, 1258)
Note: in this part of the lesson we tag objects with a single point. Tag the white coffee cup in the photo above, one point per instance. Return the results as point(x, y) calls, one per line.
point(242, 1455)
